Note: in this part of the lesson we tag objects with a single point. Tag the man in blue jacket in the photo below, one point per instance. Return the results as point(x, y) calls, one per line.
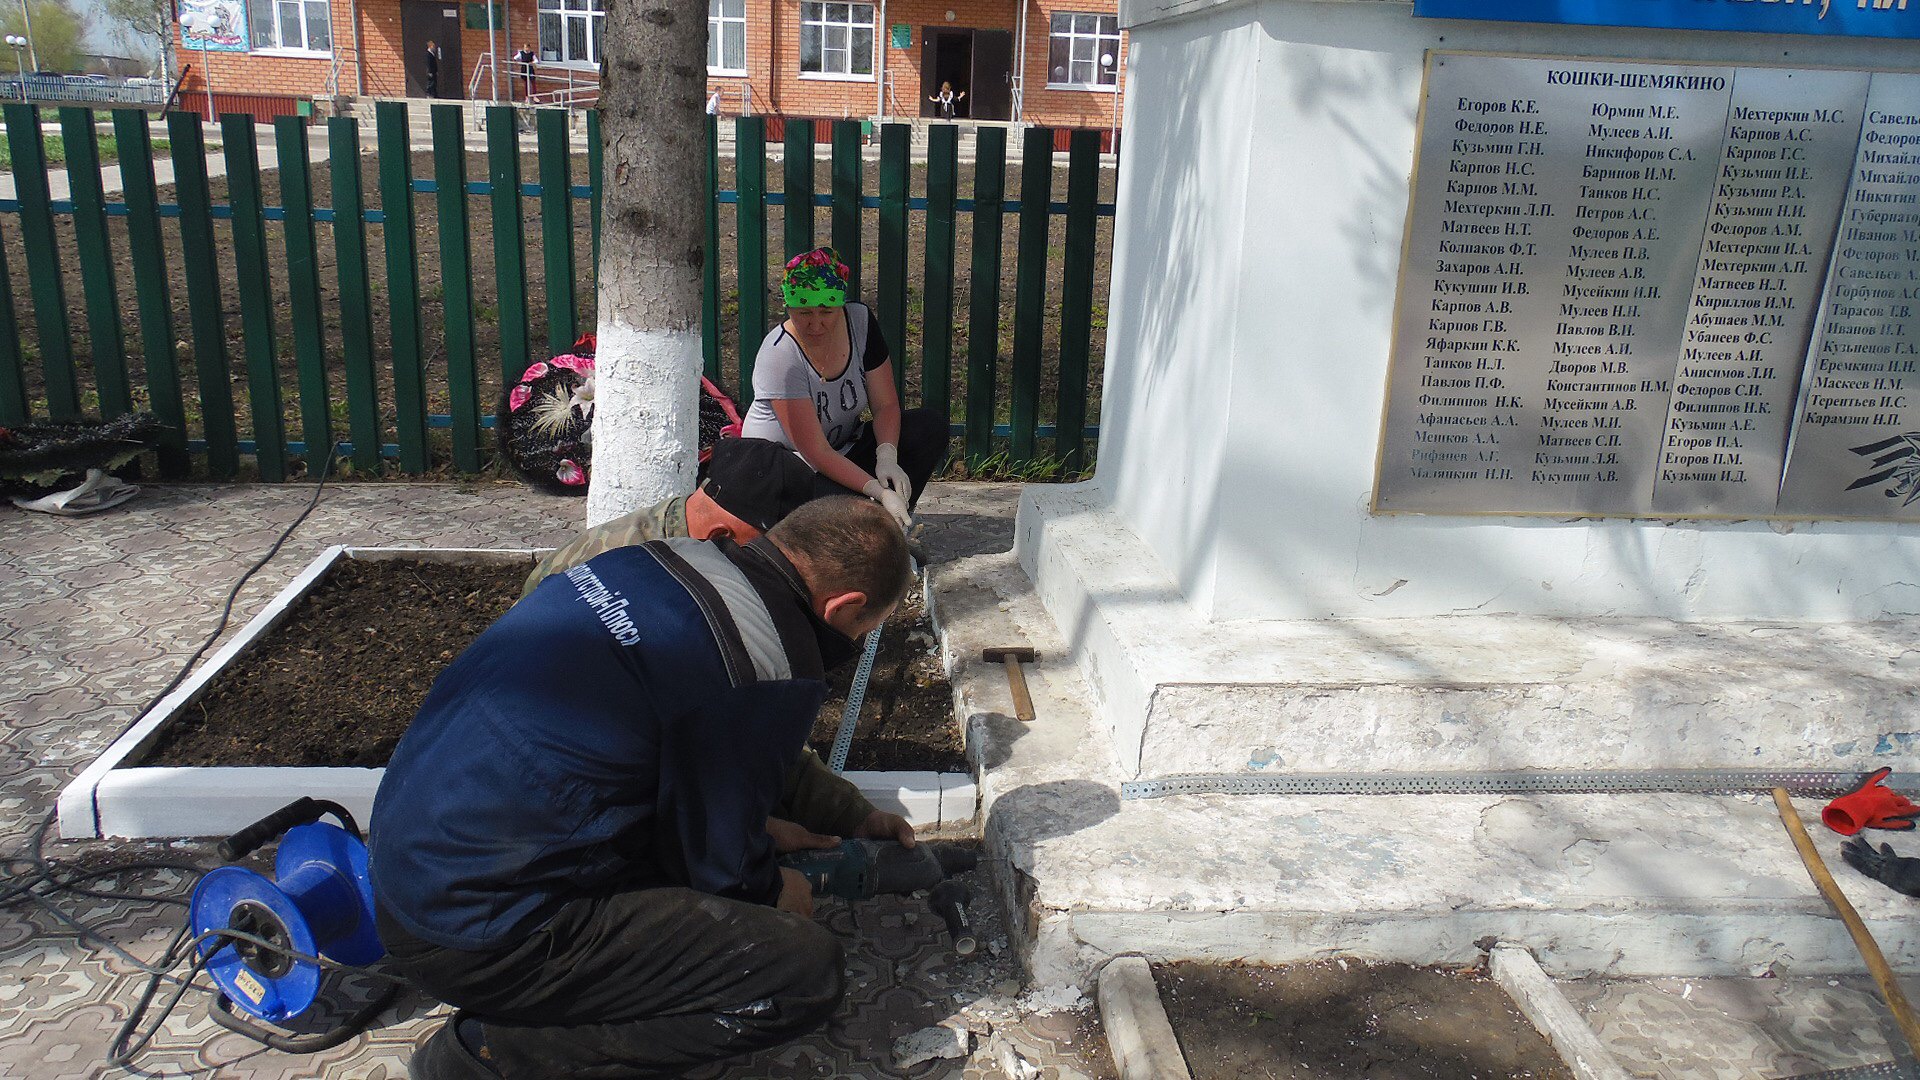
point(570, 844)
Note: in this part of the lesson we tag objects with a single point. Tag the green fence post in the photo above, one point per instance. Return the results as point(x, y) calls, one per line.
point(205, 319)
point(13, 376)
point(456, 268)
point(936, 336)
point(509, 240)
point(847, 164)
point(403, 283)
point(255, 286)
point(1076, 301)
point(104, 317)
point(151, 293)
point(303, 288)
point(750, 177)
point(596, 162)
point(983, 320)
point(891, 290)
point(43, 261)
point(556, 228)
point(710, 266)
point(356, 294)
point(1030, 287)
point(796, 234)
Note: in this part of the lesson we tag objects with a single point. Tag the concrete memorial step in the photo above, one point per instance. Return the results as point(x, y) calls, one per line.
point(1180, 694)
point(1593, 884)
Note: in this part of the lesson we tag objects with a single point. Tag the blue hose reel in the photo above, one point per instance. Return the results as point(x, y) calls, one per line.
point(318, 904)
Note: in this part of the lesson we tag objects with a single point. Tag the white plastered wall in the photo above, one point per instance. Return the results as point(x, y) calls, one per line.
point(1262, 202)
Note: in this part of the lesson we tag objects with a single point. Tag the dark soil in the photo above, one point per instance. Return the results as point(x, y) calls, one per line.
point(487, 301)
point(1341, 1019)
point(907, 721)
point(338, 682)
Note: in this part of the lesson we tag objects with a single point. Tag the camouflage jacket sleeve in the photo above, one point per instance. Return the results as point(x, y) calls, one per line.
point(661, 521)
point(820, 800)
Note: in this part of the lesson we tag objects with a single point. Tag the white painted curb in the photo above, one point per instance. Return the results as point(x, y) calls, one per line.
point(1143, 1044)
point(1542, 1003)
point(108, 800)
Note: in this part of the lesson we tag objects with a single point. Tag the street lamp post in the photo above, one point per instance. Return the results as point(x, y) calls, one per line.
point(26, 13)
point(19, 44)
point(197, 22)
point(1113, 132)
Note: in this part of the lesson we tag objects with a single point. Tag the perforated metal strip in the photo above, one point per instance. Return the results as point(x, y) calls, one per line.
point(856, 697)
point(1810, 784)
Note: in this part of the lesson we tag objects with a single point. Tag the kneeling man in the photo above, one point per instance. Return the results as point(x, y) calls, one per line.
point(570, 844)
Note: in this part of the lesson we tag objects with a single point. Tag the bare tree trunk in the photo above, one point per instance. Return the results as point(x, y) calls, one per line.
point(653, 80)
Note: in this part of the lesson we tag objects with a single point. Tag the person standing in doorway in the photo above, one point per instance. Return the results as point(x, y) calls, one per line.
point(946, 99)
point(433, 69)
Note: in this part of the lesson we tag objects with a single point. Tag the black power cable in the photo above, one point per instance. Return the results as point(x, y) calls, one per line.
point(32, 876)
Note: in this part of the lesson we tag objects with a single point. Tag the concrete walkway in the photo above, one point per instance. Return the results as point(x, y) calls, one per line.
point(97, 614)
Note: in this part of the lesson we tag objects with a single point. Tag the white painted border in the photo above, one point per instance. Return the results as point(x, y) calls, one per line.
point(106, 800)
point(80, 812)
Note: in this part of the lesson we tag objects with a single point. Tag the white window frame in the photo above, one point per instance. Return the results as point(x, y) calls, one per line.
point(276, 47)
point(593, 14)
point(850, 24)
point(1100, 40)
point(717, 22)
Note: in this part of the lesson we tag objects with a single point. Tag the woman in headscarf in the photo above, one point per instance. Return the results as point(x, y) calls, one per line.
point(816, 374)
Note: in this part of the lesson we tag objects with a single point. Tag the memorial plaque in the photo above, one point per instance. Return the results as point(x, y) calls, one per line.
point(1789, 140)
point(1857, 428)
point(1621, 277)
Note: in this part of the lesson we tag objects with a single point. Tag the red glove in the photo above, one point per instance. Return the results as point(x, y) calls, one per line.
point(1872, 805)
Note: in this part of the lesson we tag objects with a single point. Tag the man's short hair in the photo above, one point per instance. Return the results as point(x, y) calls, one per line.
point(845, 544)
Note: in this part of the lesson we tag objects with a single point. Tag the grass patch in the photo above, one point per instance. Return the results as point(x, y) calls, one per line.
point(56, 150)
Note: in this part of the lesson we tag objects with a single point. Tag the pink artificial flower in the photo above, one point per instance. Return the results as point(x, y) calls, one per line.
point(843, 270)
point(533, 373)
point(569, 362)
point(818, 258)
point(794, 263)
point(518, 397)
point(570, 473)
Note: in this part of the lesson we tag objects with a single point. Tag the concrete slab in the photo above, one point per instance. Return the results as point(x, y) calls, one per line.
point(1177, 693)
point(1621, 885)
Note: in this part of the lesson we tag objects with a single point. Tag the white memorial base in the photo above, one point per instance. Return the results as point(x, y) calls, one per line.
point(1622, 885)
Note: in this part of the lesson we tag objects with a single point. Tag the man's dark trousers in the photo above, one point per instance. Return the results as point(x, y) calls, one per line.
point(642, 983)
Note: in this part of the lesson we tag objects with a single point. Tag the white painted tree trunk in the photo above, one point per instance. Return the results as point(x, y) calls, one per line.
point(652, 252)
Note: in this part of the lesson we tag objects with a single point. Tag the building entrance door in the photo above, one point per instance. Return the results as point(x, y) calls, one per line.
point(991, 94)
point(946, 56)
point(436, 22)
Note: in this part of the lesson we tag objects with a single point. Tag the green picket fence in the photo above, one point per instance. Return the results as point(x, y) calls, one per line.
point(289, 279)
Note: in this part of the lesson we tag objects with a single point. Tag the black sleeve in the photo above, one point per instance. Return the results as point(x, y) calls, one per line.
point(876, 344)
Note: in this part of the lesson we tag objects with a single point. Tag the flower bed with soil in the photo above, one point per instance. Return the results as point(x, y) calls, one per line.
point(313, 695)
point(1334, 1019)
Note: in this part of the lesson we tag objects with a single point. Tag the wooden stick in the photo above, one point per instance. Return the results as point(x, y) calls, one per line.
point(1862, 938)
point(1017, 682)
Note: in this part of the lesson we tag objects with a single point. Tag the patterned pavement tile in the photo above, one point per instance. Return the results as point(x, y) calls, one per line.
point(1753, 1027)
point(97, 613)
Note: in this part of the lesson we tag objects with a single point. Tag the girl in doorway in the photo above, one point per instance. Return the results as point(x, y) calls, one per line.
point(946, 99)
point(815, 375)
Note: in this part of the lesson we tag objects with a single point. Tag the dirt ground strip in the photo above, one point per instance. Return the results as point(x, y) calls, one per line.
point(487, 301)
point(1340, 1019)
point(340, 680)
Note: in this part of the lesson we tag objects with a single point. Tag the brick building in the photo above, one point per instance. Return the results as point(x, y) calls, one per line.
point(1053, 62)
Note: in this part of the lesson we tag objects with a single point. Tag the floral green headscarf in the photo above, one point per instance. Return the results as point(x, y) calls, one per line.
point(816, 279)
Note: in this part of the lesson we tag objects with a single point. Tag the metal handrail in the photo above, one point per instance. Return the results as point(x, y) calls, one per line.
point(479, 68)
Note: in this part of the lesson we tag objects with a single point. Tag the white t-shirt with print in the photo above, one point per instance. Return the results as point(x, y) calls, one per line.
point(781, 372)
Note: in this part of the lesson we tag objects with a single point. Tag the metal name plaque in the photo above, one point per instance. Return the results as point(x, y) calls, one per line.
point(1658, 290)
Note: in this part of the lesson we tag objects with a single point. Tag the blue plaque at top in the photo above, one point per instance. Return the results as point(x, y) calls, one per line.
point(1844, 18)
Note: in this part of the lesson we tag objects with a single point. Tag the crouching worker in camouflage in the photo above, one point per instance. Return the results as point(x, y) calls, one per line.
point(751, 483)
point(570, 844)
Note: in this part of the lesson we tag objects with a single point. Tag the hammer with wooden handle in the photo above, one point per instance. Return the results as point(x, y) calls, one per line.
point(1012, 656)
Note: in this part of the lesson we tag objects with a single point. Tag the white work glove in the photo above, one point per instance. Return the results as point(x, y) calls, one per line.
point(887, 470)
point(895, 502)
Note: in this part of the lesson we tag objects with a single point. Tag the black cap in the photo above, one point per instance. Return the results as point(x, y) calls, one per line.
point(757, 481)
